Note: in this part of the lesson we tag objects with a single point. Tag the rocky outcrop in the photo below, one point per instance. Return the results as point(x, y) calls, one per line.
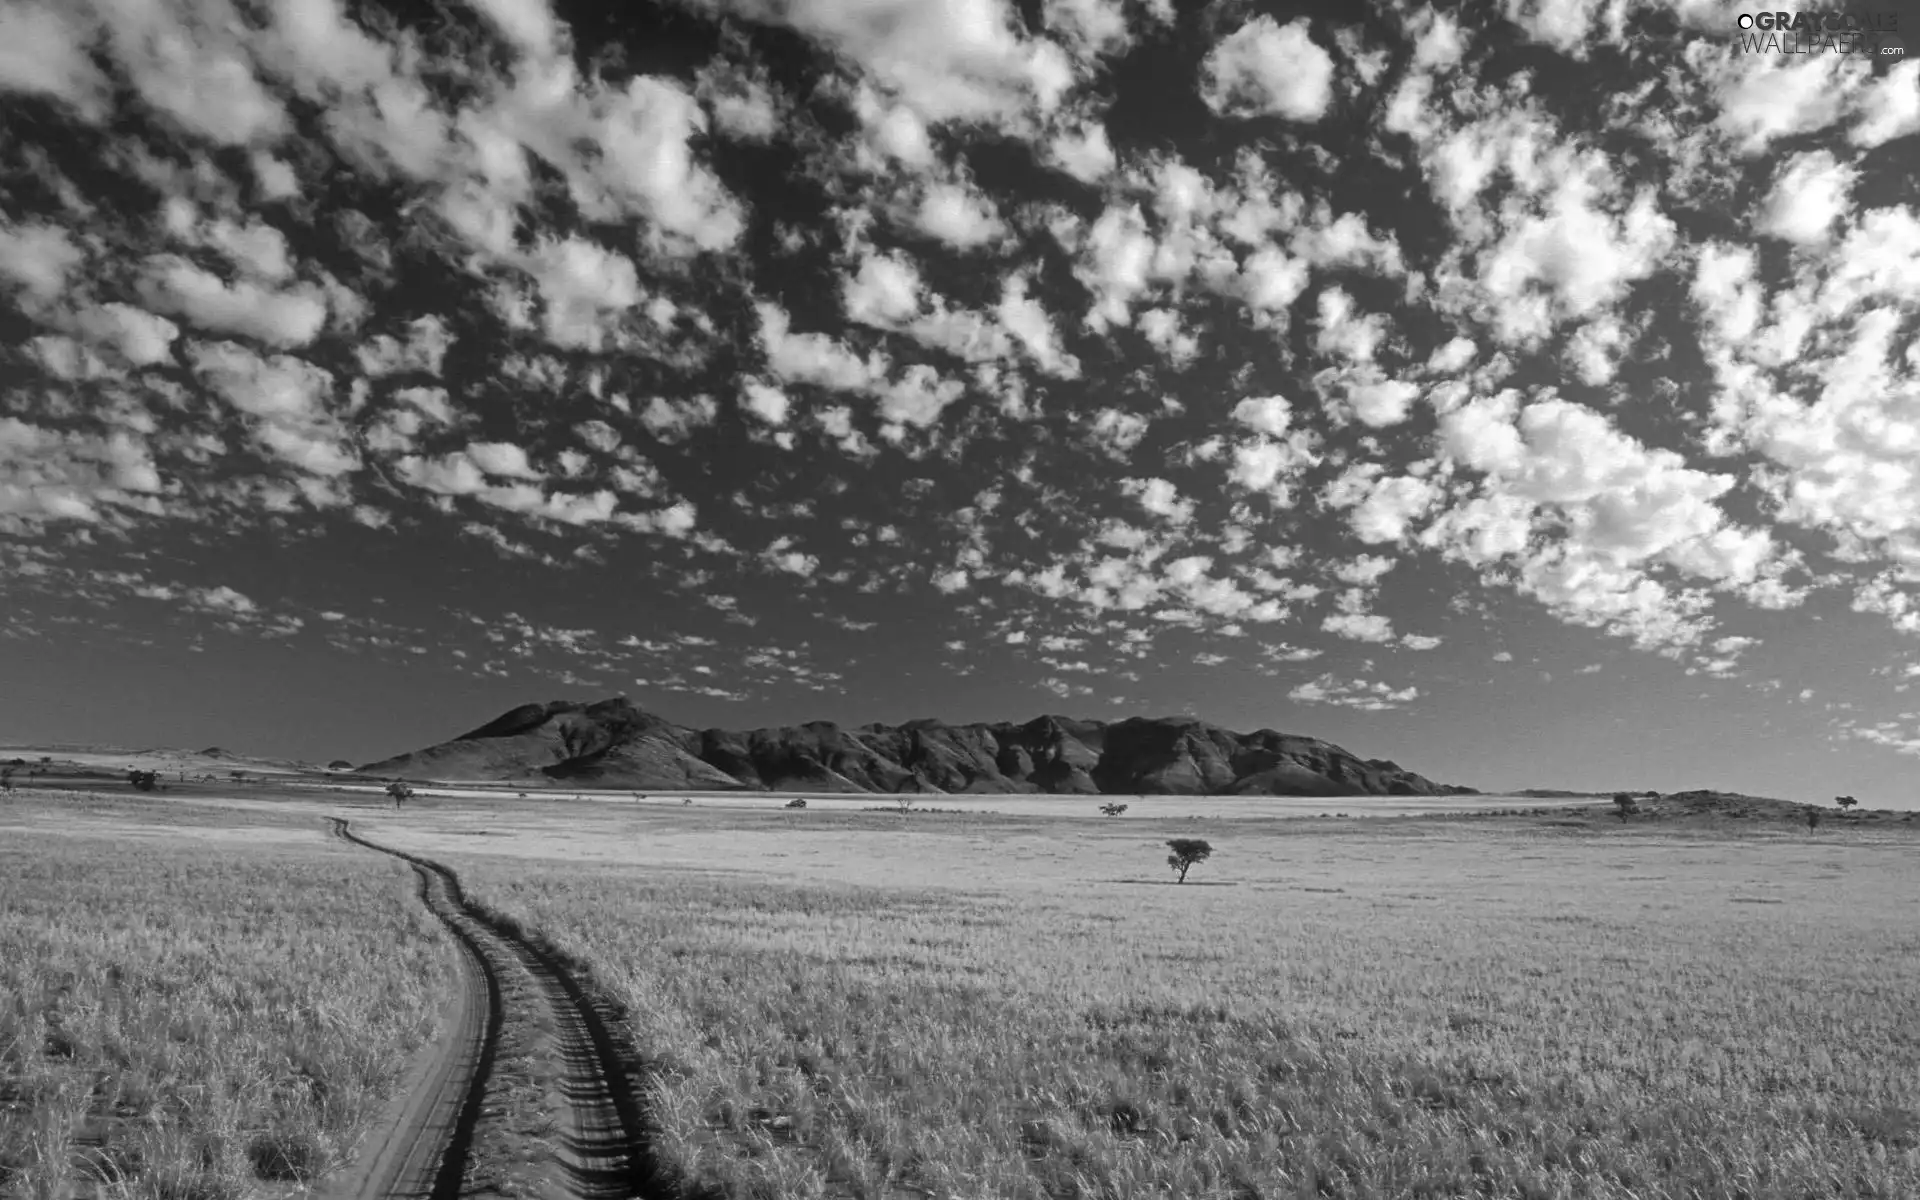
point(612, 744)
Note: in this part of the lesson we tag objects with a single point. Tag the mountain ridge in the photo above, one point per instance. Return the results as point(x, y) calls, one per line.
point(612, 744)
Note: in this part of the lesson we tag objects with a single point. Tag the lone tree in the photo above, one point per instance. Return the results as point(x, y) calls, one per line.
point(6, 779)
point(1625, 805)
point(1187, 852)
point(401, 791)
point(143, 781)
point(1113, 810)
point(1813, 817)
point(1845, 802)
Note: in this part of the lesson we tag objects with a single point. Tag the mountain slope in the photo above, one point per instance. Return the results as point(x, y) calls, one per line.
point(612, 744)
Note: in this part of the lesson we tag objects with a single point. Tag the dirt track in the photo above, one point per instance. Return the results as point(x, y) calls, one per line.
point(433, 1136)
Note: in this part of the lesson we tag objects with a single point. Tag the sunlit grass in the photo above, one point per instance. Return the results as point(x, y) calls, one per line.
point(1439, 1011)
point(181, 1018)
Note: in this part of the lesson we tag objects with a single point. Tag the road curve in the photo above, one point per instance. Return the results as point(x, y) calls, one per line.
point(427, 1151)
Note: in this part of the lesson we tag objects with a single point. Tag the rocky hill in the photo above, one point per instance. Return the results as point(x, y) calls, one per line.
point(612, 744)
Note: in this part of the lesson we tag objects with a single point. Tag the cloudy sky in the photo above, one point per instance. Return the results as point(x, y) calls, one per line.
point(1530, 394)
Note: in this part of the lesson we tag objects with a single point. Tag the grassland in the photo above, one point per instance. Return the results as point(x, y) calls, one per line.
point(194, 1004)
point(959, 1008)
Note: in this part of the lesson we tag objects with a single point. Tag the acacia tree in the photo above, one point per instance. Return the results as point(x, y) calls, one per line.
point(1625, 805)
point(143, 781)
point(1813, 817)
point(1186, 853)
point(1845, 802)
point(401, 791)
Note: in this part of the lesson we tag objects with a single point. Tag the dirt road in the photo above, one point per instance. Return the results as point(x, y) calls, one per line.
point(516, 993)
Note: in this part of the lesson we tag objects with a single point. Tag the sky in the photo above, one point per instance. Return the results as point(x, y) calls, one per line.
point(1527, 392)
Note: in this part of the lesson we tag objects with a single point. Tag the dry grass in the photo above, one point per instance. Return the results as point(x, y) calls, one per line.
point(1417, 1011)
point(180, 1018)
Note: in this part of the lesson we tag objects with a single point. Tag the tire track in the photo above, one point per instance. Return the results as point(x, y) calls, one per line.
point(603, 1156)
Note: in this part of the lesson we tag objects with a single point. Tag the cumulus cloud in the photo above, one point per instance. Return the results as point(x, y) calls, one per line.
point(37, 258)
point(1809, 194)
point(43, 52)
point(1265, 68)
point(284, 318)
point(1366, 695)
point(586, 288)
point(954, 61)
point(59, 475)
point(958, 215)
point(288, 399)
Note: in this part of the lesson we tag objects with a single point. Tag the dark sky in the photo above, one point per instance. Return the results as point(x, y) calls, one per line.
point(1528, 393)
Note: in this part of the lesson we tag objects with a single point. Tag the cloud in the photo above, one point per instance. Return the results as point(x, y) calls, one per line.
point(1160, 498)
point(586, 289)
point(423, 352)
point(1083, 151)
point(1766, 97)
point(43, 52)
point(673, 421)
point(285, 318)
point(765, 401)
point(1888, 109)
point(815, 358)
point(502, 458)
point(135, 336)
point(289, 401)
point(1578, 255)
point(190, 67)
point(69, 475)
point(953, 61)
point(1028, 323)
point(37, 258)
point(1264, 68)
point(1264, 414)
point(917, 399)
point(1368, 696)
point(885, 292)
point(646, 167)
point(1809, 194)
point(959, 216)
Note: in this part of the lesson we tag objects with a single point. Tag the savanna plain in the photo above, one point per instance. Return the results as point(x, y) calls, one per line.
point(929, 1004)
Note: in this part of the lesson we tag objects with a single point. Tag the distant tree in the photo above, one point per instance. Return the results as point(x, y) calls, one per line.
point(6, 779)
point(1113, 810)
point(1813, 817)
point(1625, 805)
point(143, 781)
point(401, 791)
point(1845, 802)
point(45, 759)
point(1187, 852)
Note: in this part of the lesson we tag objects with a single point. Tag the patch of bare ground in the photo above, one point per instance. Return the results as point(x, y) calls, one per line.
point(551, 1108)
